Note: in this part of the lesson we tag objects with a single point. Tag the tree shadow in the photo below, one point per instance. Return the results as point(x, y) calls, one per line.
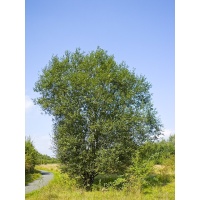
point(45, 173)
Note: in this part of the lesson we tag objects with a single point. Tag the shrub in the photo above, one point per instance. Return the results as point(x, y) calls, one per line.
point(138, 172)
point(30, 156)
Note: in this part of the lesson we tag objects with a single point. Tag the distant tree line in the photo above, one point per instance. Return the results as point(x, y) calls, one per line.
point(45, 159)
point(33, 157)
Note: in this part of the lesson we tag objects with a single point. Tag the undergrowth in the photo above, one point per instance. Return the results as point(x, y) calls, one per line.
point(160, 184)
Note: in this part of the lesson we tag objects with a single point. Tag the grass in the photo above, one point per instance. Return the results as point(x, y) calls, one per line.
point(162, 187)
point(32, 176)
point(48, 167)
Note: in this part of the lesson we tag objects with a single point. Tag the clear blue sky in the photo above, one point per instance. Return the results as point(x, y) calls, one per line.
point(141, 33)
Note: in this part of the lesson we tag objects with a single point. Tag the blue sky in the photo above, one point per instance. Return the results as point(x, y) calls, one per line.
point(141, 33)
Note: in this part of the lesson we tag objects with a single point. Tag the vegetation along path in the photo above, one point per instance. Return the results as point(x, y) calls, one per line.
point(37, 184)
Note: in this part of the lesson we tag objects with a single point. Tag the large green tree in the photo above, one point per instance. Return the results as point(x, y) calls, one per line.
point(101, 112)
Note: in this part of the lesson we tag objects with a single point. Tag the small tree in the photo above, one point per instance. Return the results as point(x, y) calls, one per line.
point(138, 171)
point(101, 112)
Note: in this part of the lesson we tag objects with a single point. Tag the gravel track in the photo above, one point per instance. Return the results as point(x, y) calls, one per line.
point(39, 183)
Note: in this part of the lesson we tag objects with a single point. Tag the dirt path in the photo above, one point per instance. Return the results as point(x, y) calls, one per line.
point(42, 181)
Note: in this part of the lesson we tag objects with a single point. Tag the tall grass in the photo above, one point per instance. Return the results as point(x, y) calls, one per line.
point(108, 187)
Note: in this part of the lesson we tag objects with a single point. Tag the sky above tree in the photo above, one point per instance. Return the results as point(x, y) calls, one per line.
point(141, 33)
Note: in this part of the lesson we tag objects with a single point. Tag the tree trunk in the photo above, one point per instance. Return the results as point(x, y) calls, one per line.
point(88, 180)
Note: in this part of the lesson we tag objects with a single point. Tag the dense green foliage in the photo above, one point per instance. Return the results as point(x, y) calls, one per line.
point(30, 156)
point(30, 161)
point(45, 159)
point(102, 112)
point(151, 157)
point(158, 151)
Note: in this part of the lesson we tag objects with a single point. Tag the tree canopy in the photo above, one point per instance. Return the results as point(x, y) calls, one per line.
point(101, 112)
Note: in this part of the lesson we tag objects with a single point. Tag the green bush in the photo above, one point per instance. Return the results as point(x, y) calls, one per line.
point(138, 172)
point(142, 173)
point(158, 151)
point(30, 156)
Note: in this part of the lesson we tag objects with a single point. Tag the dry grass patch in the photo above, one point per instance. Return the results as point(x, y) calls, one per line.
point(48, 167)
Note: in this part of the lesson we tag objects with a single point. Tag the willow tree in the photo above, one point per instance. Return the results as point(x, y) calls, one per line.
point(101, 112)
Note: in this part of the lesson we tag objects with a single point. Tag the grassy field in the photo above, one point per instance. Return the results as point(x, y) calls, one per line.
point(161, 187)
